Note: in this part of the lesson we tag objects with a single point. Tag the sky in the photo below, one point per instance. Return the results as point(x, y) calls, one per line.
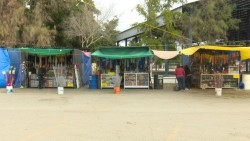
point(124, 9)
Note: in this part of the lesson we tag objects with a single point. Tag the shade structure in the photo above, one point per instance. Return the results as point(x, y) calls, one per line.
point(122, 52)
point(46, 52)
point(4, 66)
point(165, 54)
point(244, 51)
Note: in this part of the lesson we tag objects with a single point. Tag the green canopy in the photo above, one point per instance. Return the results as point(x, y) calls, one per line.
point(46, 52)
point(122, 52)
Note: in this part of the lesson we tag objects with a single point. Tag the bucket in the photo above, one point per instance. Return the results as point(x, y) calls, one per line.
point(9, 89)
point(117, 90)
point(218, 91)
point(60, 90)
point(93, 82)
point(246, 81)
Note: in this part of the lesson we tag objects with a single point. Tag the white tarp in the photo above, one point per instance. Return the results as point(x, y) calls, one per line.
point(165, 54)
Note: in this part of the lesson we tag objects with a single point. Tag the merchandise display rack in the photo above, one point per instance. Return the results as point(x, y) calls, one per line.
point(195, 69)
point(136, 80)
point(50, 80)
point(107, 80)
point(229, 80)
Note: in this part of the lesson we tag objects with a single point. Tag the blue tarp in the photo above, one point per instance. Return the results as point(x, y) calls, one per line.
point(4, 65)
point(87, 68)
point(15, 61)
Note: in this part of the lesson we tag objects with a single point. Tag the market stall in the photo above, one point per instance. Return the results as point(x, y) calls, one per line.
point(58, 64)
point(132, 63)
point(208, 62)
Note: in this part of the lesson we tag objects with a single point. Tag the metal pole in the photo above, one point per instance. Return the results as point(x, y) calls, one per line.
point(247, 66)
point(166, 62)
point(126, 42)
point(185, 58)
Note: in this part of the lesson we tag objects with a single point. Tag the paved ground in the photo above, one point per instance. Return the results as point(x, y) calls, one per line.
point(133, 115)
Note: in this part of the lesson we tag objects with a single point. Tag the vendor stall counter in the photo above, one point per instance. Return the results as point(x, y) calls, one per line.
point(136, 80)
point(131, 80)
point(229, 80)
point(107, 80)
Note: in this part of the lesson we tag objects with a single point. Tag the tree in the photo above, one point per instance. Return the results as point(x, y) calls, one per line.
point(153, 35)
point(86, 25)
point(21, 26)
point(210, 20)
point(11, 19)
point(157, 36)
point(109, 33)
point(55, 12)
point(41, 23)
point(35, 31)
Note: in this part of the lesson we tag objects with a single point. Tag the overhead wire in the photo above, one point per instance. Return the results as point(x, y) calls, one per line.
point(139, 23)
point(148, 25)
point(128, 18)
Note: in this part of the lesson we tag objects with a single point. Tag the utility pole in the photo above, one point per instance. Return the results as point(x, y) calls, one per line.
point(166, 61)
point(185, 58)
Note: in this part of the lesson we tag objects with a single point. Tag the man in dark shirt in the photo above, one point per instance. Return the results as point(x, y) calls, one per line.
point(41, 74)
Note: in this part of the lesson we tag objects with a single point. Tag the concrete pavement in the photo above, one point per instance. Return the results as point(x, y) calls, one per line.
point(133, 115)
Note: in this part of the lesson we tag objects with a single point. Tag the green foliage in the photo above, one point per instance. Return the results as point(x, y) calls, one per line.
point(11, 20)
point(41, 23)
point(35, 32)
point(153, 35)
point(210, 20)
point(89, 28)
point(109, 34)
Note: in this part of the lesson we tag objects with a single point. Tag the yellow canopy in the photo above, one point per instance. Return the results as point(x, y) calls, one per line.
point(244, 51)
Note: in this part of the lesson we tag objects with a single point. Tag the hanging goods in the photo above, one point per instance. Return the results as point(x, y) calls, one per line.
point(60, 78)
point(77, 76)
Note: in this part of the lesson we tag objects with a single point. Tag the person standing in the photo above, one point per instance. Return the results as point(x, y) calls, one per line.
point(188, 77)
point(180, 76)
point(41, 75)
